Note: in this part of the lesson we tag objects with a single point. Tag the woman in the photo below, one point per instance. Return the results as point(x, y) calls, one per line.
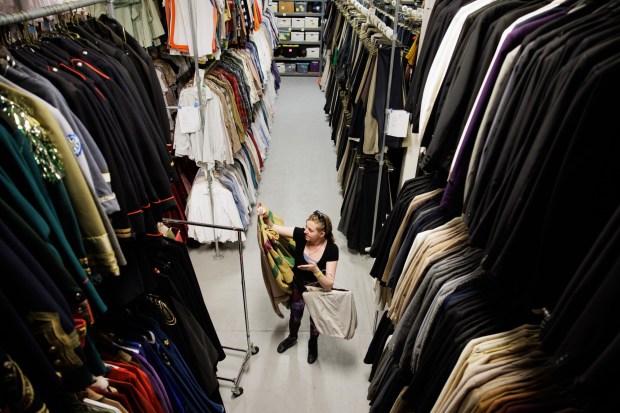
point(316, 259)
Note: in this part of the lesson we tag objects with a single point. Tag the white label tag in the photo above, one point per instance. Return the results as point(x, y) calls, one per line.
point(189, 118)
point(398, 121)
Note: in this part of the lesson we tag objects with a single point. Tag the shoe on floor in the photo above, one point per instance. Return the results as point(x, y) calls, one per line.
point(313, 350)
point(286, 344)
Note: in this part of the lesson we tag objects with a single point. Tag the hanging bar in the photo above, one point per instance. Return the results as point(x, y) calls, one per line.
point(22, 16)
point(251, 348)
point(198, 84)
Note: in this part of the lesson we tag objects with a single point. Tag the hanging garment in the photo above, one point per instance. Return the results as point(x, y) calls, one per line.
point(279, 252)
point(277, 260)
point(223, 212)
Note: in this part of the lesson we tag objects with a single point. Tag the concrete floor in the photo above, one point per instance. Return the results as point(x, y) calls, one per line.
point(299, 177)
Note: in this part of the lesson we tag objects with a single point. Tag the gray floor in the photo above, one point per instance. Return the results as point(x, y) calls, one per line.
point(299, 177)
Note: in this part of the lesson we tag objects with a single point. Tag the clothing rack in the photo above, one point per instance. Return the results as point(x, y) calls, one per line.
point(251, 348)
point(21, 16)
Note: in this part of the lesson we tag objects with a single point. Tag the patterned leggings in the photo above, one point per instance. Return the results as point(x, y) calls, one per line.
point(297, 312)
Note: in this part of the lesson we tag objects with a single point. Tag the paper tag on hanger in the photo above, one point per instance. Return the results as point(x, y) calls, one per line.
point(189, 118)
point(397, 123)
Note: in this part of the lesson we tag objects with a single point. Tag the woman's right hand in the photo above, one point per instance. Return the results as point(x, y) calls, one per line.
point(262, 211)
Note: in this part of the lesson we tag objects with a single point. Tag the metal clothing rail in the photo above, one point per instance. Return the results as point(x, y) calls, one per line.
point(21, 16)
point(251, 348)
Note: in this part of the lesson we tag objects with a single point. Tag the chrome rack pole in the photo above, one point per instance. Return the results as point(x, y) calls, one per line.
point(198, 82)
point(387, 111)
point(251, 348)
point(385, 128)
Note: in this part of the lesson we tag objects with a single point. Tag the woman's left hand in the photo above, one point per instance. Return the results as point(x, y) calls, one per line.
point(313, 268)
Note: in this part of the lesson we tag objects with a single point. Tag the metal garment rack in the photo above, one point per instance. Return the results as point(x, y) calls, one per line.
point(251, 348)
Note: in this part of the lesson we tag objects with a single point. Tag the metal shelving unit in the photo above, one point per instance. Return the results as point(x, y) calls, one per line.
point(318, 43)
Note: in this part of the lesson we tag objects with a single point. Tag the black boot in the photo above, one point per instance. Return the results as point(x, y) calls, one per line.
point(313, 349)
point(286, 344)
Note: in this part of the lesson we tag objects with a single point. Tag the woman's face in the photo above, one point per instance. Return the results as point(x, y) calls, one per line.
point(313, 232)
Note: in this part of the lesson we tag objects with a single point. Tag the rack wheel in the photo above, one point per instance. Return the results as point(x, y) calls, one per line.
point(237, 391)
point(254, 350)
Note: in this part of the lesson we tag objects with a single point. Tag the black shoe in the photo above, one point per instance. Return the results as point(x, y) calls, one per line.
point(313, 350)
point(286, 344)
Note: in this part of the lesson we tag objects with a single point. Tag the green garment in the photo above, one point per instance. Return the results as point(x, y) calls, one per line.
point(97, 244)
point(24, 190)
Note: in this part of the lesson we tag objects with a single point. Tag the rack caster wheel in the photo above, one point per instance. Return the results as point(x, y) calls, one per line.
point(254, 350)
point(237, 391)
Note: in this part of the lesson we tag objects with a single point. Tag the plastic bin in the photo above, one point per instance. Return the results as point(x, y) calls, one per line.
point(303, 67)
point(314, 66)
point(301, 6)
point(290, 67)
point(290, 50)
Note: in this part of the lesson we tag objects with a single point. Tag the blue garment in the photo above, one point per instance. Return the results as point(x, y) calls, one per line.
point(185, 393)
point(229, 184)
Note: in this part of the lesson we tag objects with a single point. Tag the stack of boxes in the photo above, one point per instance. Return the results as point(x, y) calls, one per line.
point(292, 29)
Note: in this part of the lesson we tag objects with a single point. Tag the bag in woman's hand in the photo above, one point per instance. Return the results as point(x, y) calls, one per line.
point(333, 312)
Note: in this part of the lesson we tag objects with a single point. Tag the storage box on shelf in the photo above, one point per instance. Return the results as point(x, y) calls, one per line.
point(284, 22)
point(286, 6)
point(298, 23)
point(311, 36)
point(302, 67)
point(297, 36)
point(312, 52)
point(289, 51)
point(311, 22)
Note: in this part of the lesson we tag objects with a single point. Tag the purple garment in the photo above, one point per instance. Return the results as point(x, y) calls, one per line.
point(158, 386)
point(453, 194)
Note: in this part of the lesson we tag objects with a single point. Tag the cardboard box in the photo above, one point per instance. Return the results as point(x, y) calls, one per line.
point(311, 21)
point(284, 36)
point(284, 22)
point(274, 6)
point(297, 36)
point(286, 6)
point(314, 66)
point(300, 7)
point(312, 52)
point(281, 67)
point(298, 23)
point(312, 36)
